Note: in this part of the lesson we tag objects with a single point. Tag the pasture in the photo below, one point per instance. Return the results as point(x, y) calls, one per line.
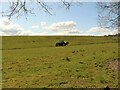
point(35, 62)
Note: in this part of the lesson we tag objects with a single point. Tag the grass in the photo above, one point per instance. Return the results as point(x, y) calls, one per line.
point(35, 62)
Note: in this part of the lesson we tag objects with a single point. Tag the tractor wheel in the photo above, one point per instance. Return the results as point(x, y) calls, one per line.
point(57, 44)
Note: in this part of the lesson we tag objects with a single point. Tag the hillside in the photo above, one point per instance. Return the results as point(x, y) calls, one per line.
point(35, 62)
point(20, 42)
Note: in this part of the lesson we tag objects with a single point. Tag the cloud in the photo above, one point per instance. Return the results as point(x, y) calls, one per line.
point(102, 31)
point(35, 27)
point(59, 28)
point(9, 28)
point(42, 23)
point(70, 31)
point(68, 27)
point(62, 26)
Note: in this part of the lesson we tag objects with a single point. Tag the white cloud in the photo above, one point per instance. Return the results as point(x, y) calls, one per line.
point(42, 23)
point(35, 27)
point(102, 31)
point(68, 27)
point(59, 28)
point(9, 28)
point(70, 31)
point(62, 26)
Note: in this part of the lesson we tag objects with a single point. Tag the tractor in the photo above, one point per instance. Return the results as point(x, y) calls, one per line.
point(62, 43)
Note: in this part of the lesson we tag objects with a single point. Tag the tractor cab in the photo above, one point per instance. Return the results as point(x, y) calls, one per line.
point(61, 42)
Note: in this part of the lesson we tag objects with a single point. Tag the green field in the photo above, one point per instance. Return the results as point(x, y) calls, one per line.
point(35, 62)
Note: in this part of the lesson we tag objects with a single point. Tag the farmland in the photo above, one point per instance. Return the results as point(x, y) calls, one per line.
point(35, 62)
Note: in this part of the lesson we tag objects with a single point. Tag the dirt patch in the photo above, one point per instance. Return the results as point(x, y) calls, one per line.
point(114, 64)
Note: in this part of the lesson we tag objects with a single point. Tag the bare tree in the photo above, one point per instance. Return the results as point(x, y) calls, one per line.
point(109, 14)
point(19, 7)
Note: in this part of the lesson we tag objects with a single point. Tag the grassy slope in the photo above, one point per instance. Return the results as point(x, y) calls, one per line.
point(36, 62)
point(49, 41)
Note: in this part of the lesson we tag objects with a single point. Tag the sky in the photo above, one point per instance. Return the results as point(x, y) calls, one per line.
point(80, 19)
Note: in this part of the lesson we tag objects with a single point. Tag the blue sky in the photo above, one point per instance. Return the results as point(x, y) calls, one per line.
point(78, 20)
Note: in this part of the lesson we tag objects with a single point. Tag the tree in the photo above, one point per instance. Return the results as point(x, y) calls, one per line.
point(109, 14)
point(19, 7)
